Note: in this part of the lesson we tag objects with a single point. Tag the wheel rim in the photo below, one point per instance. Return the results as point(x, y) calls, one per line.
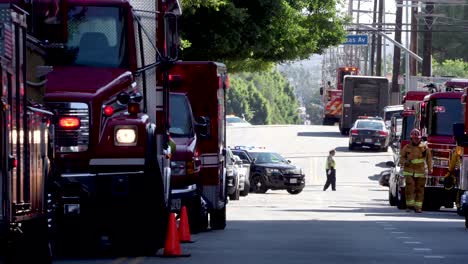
point(258, 184)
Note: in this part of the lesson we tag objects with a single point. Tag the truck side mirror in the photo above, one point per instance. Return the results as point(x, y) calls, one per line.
point(459, 133)
point(321, 90)
point(202, 127)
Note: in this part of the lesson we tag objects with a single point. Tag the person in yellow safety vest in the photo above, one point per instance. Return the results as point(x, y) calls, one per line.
point(413, 158)
point(449, 179)
point(331, 171)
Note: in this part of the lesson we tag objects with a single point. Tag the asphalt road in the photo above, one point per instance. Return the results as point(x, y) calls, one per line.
point(352, 225)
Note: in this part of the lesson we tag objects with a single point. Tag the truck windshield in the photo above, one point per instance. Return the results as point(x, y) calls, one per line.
point(390, 113)
point(442, 113)
point(181, 118)
point(407, 126)
point(96, 37)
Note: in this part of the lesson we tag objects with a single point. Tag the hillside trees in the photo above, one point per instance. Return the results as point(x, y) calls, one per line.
point(263, 98)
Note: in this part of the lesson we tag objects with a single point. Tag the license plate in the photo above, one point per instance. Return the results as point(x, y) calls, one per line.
point(176, 204)
point(71, 209)
point(368, 140)
point(292, 180)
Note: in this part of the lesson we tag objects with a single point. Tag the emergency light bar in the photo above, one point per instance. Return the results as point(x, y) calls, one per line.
point(370, 117)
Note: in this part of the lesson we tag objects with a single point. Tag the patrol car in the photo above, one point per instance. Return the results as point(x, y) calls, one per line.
point(270, 171)
point(369, 132)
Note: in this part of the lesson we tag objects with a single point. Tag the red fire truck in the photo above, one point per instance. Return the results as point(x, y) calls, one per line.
point(410, 120)
point(205, 84)
point(460, 131)
point(332, 97)
point(439, 111)
point(110, 182)
point(23, 138)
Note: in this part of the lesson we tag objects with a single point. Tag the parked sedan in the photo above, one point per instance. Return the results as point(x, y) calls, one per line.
point(235, 121)
point(369, 132)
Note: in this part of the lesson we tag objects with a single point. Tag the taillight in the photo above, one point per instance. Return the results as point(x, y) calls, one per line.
point(354, 132)
point(108, 110)
point(133, 108)
point(12, 162)
point(383, 133)
point(69, 122)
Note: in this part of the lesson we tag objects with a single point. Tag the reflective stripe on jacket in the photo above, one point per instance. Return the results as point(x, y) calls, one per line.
point(330, 162)
point(455, 159)
point(413, 160)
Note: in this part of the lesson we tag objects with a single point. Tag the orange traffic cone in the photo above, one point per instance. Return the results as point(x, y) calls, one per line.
point(184, 227)
point(172, 245)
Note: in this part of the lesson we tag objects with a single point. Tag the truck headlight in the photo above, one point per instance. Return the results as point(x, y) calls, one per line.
point(464, 198)
point(125, 136)
point(178, 168)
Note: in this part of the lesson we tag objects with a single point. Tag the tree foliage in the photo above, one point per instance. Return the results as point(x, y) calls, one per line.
point(451, 44)
point(457, 68)
point(249, 35)
point(263, 98)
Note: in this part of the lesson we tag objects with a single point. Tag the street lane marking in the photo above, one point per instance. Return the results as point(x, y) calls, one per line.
point(397, 232)
point(412, 242)
point(403, 237)
point(434, 257)
point(390, 228)
point(422, 249)
point(119, 260)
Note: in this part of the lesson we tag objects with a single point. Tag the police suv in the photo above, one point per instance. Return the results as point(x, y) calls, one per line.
point(270, 171)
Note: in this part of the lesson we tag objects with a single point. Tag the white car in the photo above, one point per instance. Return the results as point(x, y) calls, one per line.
point(236, 121)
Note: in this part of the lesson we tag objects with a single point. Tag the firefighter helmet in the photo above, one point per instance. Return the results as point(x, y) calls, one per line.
point(415, 134)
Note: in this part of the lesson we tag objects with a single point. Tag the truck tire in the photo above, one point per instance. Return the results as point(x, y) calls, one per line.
point(34, 247)
point(235, 195)
point(218, 219)
point(460, 211)
point(198, 216)
point(392, 200)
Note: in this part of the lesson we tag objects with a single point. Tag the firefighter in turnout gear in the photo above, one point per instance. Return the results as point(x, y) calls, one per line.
point(413, 158)
point(450, 179)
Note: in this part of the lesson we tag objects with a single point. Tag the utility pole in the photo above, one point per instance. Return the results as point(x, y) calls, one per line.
point(374, 20)
point(397, 50)
point(378, 66)
point(358, 49)
point(407, 39)
point(414, 38)
point(427, 44)
point(384, 46)
point(351, 47)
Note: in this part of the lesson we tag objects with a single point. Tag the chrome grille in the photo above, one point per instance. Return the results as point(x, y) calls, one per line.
point(72, 140)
